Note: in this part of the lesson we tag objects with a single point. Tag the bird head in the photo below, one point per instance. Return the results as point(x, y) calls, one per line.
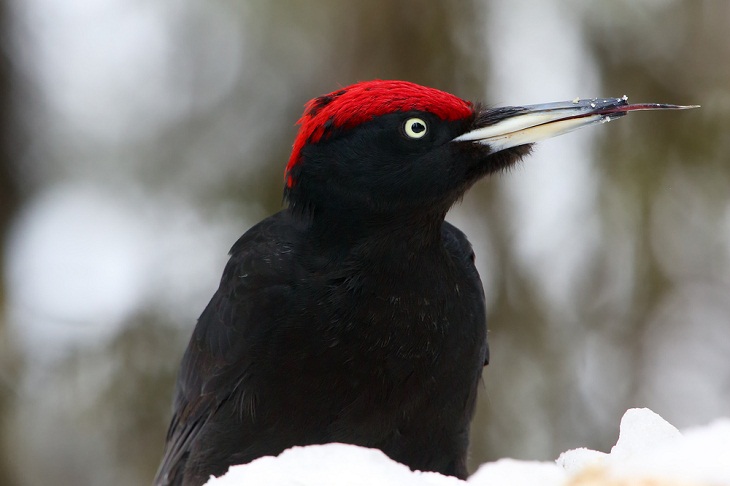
point(395, 147)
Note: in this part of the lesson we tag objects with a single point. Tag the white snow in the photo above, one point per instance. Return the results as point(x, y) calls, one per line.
point(649, 451)
point(330, 465)
point(511, 472)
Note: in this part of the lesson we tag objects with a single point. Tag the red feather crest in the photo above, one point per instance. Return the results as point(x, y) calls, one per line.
point(361, 102)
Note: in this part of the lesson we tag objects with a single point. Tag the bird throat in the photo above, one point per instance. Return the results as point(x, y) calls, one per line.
point(381, 233)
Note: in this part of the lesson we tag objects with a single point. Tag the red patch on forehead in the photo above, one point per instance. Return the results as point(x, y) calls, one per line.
point(361, 102)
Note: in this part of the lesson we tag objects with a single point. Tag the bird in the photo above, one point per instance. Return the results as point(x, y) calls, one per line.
point(356, 313)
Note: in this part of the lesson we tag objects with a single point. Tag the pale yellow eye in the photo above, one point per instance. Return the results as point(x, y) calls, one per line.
point(415, 128)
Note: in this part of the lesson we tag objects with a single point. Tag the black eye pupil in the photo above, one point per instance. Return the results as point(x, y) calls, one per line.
point(418, 127)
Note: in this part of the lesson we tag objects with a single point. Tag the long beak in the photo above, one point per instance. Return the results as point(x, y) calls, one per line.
point(509, 127)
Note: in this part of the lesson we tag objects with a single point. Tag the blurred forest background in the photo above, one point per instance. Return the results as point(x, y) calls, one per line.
point(140, 138)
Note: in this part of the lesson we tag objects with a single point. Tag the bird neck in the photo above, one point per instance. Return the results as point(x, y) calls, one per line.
point(401, 232)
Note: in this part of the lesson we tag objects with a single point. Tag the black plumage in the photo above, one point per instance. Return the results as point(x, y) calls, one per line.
point(356, 314)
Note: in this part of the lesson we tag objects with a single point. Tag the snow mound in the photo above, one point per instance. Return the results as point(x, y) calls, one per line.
point(649, 452)
point(329, 465)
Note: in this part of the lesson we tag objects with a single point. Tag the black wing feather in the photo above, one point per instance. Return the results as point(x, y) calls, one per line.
point(217, 360)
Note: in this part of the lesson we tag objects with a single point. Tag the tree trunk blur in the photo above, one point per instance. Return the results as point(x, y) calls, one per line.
point(9, 201)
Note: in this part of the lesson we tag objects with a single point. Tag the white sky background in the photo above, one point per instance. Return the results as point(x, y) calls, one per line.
point(552, 199)
point(93, 246)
